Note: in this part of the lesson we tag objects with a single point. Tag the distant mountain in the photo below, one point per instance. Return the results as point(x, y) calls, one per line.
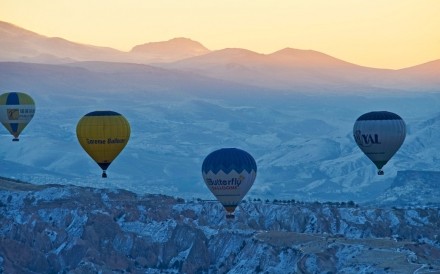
point(169, 51)
point(65, 228)
point(287, 69)
point(293, 69)
point(18, 44)
point(307, 58)
point(421, 77)
point(428, 69)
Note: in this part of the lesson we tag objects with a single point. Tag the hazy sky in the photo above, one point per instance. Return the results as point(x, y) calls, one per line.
point(375, 33)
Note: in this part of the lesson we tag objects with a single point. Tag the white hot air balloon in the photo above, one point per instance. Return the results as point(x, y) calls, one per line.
point(229, 173)
point(379, 134)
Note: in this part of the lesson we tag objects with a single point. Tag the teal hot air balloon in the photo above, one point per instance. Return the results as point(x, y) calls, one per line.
point(229, 174)
point(379, 134)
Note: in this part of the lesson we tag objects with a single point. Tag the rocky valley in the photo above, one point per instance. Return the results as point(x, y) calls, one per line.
point(72, 229)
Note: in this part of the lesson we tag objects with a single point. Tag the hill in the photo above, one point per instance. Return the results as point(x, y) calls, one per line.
point(168, 51)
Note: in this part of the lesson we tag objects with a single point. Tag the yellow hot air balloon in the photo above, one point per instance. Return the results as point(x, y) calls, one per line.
point(103, 135)
point(16, 110)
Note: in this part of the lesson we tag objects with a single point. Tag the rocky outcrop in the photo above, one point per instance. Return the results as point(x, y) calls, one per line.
point(69, 229)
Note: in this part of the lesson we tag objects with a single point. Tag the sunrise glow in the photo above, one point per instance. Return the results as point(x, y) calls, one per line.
point(374, 33)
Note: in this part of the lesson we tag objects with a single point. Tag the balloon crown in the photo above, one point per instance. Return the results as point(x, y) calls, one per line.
point(228, 159)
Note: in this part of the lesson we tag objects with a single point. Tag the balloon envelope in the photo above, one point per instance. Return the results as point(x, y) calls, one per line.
point(379, 134)
point(103, 135)
point(16, 110)
point(229, 174)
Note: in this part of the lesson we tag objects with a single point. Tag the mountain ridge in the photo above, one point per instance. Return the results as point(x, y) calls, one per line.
point(9, 29)
point(178, 41)
point(285, 69)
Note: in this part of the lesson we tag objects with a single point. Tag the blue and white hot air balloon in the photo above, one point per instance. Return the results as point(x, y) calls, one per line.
point(16, 111)
point(229, 174)
point(379, 134)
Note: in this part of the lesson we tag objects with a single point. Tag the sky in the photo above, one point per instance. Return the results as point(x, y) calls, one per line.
point(374, 33)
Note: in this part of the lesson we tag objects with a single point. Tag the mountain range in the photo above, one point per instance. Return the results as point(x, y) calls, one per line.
point(18, 44)
point(286, 69)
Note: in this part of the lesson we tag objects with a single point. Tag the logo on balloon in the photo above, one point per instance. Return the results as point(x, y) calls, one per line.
point(105, 142)
point(366, 140)
point(221, 184)
point(13, 114)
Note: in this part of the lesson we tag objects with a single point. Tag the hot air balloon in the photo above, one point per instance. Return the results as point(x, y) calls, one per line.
point(103, 135)
point(16, 110)
point(229, 174)
point(379, 134)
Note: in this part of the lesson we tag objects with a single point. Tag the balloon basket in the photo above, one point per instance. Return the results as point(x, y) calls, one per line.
point(15, 140)
point(380, 172)
point(104, 175)
point(230, 216)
